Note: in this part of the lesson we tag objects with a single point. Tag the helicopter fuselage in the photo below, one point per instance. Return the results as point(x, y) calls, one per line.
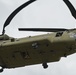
point(36, 49)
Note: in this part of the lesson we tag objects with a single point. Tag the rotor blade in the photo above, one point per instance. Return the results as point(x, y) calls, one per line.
point(11, 16)
point(42, 29)
point(71, 8)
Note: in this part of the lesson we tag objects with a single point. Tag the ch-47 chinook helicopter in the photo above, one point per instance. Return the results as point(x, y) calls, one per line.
point(37, 49)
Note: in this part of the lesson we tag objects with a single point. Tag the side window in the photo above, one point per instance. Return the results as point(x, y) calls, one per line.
point(58, 34)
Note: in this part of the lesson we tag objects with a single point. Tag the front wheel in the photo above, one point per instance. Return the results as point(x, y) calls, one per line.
point(45, 65)
point(1, 69)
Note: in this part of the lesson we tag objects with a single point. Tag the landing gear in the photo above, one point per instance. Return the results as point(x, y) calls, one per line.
point(45, 65)
point(1, 69)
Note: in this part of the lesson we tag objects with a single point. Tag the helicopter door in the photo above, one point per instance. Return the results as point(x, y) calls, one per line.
point(21, 55)
point(18, 56)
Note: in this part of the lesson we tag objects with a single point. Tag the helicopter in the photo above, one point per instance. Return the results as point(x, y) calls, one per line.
point(39, 49)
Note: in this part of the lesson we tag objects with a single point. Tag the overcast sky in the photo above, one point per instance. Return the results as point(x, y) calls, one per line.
point(41, 13)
